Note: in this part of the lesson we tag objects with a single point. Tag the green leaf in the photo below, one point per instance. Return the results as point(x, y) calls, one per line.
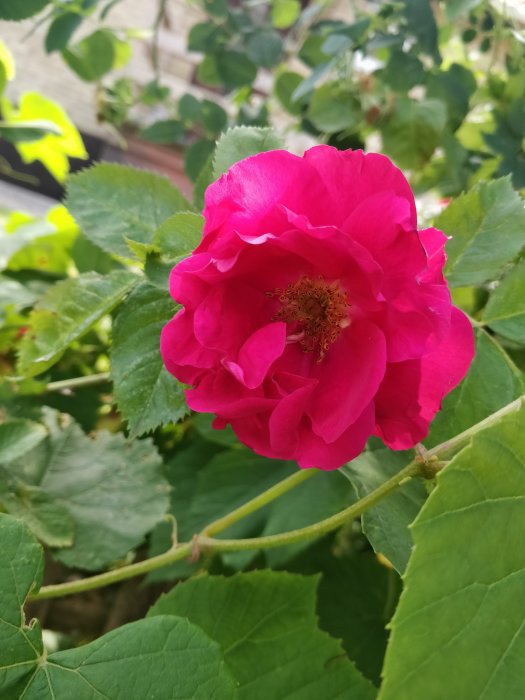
point(182, 471)
point(226, 480)
point(285, 13)
point(141, 659)
point(14, 295)
point(456, 8)
point(505, 310)
point(414, 130)
point(269, 636)
point(213, 117)
point(316, 499)
point(146, 394)
point(28, 131)
point(334, 109)
point(487, 225)
point(202, 183)
point(114, 202)
point(20, 9)
point(18, 437)
point(422, 24)
point(112, 487)
point(39, 244)
point(403, 71)
point(284, 86)
point(491, 383)
point(356, 598)
point(241, 142)
point(47, 519)
point(265, 48)
point(179, 235)
point(93, 56)
point(387, 524)
point(454, 87)
point(204, 36)
point(7, 66)
point(189, 107)
point(197, 156)
point(167, 131)
point(61, 30)
point(67, 311)
point(465, 579)
point(53, 150)
point(234, 68)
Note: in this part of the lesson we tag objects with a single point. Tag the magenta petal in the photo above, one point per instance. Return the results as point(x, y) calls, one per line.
point(412, 391)
point(313, 451)
point(247, 196)
point(352, 176)
point(348, 377)
point(227, 316)
point(183, 356)
point(286, 418)
point(221, 393)
point(433, 242)
point(258, 354)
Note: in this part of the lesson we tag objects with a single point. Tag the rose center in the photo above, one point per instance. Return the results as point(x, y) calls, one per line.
point(316, 310)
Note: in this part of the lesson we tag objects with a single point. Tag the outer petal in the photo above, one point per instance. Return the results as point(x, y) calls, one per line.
point(183, 356)
point(433, 241)
point(246, 198)
point(412, 391)
point(351, 176)
point(313, 451)
point(222, 394)
point(348, 378)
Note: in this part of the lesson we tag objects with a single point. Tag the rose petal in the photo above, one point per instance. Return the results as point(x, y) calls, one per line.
point(257, 354)
point(246, 198)
point(348, 378)
point(286, 418)
point(221, 393)
point(313, 451)
point(412, 391)
point(183, 356)
point(351, 176)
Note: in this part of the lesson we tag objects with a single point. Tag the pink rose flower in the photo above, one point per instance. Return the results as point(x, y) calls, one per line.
point(315, 314)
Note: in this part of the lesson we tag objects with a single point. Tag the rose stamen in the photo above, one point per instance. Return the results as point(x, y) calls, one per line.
point(316, 309)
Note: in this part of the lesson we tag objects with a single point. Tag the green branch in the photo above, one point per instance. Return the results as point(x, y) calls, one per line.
point(79, 382)
point(418, 467)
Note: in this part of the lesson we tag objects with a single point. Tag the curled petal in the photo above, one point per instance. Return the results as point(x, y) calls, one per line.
point(412, 391)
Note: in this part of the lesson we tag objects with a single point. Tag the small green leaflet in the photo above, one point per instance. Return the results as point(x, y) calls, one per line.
point(241, 142)
point(505, 310)
point(146, 394)
point(487, 229)
point(387, 524)
point(67, 311)
point(18, 437)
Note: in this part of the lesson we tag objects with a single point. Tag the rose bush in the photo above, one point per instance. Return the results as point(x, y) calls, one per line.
point(315, 314)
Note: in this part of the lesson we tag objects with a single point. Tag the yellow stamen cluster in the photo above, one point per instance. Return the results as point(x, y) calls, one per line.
point(317, 309)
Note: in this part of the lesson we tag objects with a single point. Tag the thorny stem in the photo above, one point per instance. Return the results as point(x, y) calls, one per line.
point(203, 541)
